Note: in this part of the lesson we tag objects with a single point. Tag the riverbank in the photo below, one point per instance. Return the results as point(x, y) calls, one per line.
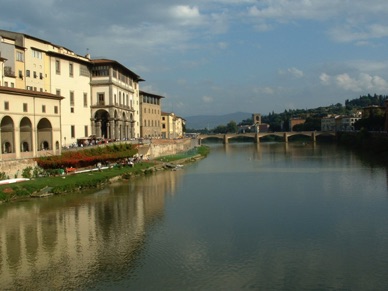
point(375, 143)
point(76, 182)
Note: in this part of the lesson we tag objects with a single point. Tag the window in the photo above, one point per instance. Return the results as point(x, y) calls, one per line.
point(6, 105)
point(72, 133)
point(37, 54)
point(57, 67)
point(58, 92)
point(35, 75)
point(71, 109)
point(100, 71)
point(19, 56)
point(101, 99)
point(56, 109)
point(71, 70)
point(71, 98)
point(40, 76)
point(43, 108)
point(25, 107)
point(85, 100)
point(28, 73)
point(86, 131)
point(20, 74)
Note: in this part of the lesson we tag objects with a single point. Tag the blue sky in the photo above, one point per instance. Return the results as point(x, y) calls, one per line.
point(223, 56)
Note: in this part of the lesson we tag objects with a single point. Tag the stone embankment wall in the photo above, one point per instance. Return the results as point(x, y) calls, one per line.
point(159, 148)
point(14, 168)
point(155, 149)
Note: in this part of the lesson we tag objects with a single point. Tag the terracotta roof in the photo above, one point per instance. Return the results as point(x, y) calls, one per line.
point(116, 64)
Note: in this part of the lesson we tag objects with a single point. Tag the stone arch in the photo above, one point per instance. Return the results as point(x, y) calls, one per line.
point(7, 135)
point(101, 118)
point(26, 135)
point(45, 133)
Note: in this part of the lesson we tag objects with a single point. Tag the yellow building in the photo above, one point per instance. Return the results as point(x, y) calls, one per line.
point(150, 108)
point(172, 126)
point(101, 97)
point(30, 124)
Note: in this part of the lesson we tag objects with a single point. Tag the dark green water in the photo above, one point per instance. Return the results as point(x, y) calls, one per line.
point(259, 217)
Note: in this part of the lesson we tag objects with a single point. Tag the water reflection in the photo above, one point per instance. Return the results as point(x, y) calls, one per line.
point(264, 216)
point(75, 239)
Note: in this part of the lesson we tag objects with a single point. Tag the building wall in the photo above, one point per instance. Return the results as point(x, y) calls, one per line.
point(150, 117)
point(295, 121)
point(29, 125)
point(34, 59)
point(75, 115)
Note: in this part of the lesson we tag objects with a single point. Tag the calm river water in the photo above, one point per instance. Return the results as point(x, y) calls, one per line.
point(261, 217)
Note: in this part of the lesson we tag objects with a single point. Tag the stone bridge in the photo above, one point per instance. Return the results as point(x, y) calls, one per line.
point(256, 136)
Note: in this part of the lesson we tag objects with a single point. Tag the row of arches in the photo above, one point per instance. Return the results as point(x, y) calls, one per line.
point(23, 137)
point(118, 127)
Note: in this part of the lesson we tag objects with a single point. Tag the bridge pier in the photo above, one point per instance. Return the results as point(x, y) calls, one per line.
point(226, 139)
point(314, 137)
point(257, 138)
point(285, 137)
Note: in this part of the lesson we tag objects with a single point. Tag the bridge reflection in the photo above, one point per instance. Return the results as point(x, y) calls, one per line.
point(257, 136)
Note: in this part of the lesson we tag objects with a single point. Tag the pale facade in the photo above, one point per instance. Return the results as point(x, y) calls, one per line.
point(339, 123)
point(172, 126)
point(328, 124)
point(101, 97)
point(70, 78)
point(150, 115)
point(115, 101)
point(30, 124)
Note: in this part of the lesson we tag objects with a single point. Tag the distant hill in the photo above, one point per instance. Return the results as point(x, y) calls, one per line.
point(212, 121)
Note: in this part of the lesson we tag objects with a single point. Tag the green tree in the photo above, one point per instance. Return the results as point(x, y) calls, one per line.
point(231, 127)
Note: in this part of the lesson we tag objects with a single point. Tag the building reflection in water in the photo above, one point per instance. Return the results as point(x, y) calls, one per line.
point(71, 240)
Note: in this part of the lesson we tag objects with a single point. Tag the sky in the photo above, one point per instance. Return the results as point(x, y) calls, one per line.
point(215, 57)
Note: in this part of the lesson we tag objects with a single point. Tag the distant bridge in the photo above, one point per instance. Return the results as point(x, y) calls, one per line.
point(256, 136)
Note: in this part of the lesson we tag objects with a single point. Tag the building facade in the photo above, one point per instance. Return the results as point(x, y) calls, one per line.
point(150, 115)
point(100, 97)
point(30, 124)
point(172, 126)
point(115, 104)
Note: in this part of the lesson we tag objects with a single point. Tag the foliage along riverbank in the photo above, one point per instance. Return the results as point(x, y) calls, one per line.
point(364, 141)
point(62, 184)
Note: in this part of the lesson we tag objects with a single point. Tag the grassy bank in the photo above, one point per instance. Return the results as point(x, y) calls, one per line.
point(62, 184)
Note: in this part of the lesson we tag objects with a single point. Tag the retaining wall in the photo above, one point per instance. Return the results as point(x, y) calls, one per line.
point(156, 148)
point(14, 168)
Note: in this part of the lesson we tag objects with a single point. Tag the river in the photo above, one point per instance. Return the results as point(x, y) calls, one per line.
point(269, 216)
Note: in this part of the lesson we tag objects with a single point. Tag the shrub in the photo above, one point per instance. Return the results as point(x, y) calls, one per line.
point(27, 173)
point(3, 176)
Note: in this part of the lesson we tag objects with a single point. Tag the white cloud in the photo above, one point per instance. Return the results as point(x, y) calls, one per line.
point(264, 90)
point(294, 72)
point(186, 15)
point(358, 33)
point(207, 99)
point(355, 21)
point(362, 83)
point(325, 79)
point(222, 45)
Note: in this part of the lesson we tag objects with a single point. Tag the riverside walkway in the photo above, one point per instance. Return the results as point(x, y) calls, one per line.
point(256, 136)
